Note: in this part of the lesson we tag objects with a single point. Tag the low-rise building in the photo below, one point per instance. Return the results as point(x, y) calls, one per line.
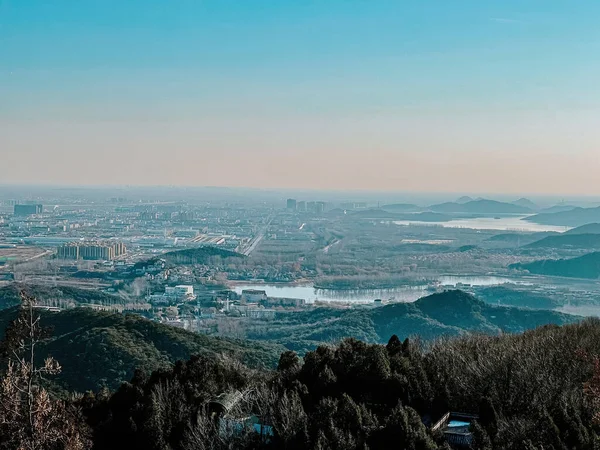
point(180, 290)
point(253, 296)
point(284, 302)
point(260, 313)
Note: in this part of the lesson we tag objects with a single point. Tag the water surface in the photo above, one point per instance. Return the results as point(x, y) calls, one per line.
point(404, 294)
point(512, 223)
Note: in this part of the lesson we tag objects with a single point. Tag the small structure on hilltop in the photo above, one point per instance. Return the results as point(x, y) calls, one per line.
point(224, 403)
point(231, 420)
point(456, 428)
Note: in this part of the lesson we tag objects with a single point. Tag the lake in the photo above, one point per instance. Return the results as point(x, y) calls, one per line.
point(478, 280)
point(512, 223)
point(310, 294)
point(404, 294)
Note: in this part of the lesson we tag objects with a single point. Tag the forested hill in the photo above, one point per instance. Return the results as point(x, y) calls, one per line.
point(200, 255)
point(59, 296)
point(450, 313)
point(528, 391)
point(590, 228)
point(99, 349)
point(588, 241)
point(572, 218)
point(586, 266)
point(480, 207)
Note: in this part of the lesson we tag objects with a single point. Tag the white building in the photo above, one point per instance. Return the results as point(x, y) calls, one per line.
point(260, 313)
point(253, 296)
point(180, 292)
point(158, 299)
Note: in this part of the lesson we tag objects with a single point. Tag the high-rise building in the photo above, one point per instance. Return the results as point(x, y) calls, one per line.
point(28, 210)
point(301, 206)
point(319, 207)
point(97, 250)
point(291, 204)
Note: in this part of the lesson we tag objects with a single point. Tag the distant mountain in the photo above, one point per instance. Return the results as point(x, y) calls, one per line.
point(573, 218)
point(517, 297)
point(446, 314)
point(518, 239)
point(586, 266)
point(402, 207)
point(97, 349)
point(464, 199)
point(590, 228)
point(568, 241)
point(526, 203)
point(417, 217)
point(480, 207)
point(557, 208)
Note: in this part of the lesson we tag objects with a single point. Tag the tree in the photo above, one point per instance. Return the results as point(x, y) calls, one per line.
point(592, 390)
point(288, 362)
point(488, 418)
point(481, 440)
point(30, 419)
point(394, 346)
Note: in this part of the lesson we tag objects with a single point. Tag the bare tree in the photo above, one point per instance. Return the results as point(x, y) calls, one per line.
point(592, 390)
point(30, 419)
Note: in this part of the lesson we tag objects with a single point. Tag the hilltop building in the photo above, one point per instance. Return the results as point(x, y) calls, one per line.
point(456, 428)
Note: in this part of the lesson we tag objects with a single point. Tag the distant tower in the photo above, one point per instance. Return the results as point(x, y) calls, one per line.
point(291, 204)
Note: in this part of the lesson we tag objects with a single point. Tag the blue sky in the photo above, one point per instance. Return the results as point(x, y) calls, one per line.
point(267, 85)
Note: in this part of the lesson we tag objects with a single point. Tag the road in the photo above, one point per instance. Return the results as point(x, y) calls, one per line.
point(47, 252)
point(259, 237)
point(326, 249)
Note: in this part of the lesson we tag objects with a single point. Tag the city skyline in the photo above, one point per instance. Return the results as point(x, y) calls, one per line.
point(377, 96)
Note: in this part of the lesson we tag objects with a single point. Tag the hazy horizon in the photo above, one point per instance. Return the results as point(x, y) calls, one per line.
point(30, 192)
point(431, 97)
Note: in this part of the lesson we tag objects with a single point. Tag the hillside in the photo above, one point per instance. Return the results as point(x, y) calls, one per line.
point(198, 255)
point(572, 218)
point(586, 266)
point(568, 241)
point(450, 313)
point(517, 297)
point(590, 228)
point(392, 215)
point(558, 208)
point(59, 296)
point(480, 207)
point(401, 207)
point(518, 239)
point(99, 349)
point(458, 312)
point(526, 389)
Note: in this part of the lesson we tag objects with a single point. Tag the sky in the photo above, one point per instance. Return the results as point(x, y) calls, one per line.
point(386, 95)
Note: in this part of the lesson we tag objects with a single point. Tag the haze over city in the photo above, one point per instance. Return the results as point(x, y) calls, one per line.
point(431, 96)
point(299, 225)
